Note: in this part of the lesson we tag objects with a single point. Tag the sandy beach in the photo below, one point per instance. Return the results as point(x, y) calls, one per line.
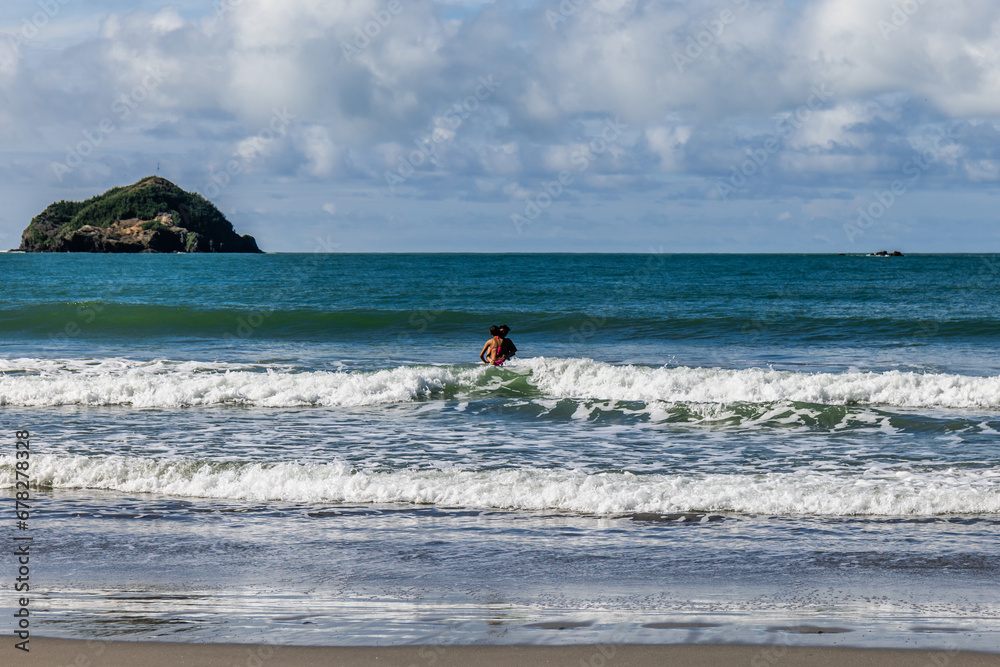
point(93, 653)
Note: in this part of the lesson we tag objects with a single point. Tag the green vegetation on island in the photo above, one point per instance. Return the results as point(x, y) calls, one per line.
point(153, 215)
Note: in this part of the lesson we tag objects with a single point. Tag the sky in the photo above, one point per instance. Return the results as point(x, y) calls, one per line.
point(819, 126)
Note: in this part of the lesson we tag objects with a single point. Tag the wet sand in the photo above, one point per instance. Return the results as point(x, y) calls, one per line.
point(98, 653)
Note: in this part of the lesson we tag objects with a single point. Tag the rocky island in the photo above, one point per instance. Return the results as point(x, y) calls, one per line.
point(153, 215)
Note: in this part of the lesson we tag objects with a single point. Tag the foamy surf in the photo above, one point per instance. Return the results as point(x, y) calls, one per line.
point(166, 384)
point(163, 384)
point(584, 378)
point(872, 492)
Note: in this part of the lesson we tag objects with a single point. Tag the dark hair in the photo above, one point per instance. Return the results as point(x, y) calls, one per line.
point(494, 330)
point(504, 330)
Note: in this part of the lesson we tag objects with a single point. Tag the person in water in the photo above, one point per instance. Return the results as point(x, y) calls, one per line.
point(498, 349)
point(491, 353)
point(507, 347)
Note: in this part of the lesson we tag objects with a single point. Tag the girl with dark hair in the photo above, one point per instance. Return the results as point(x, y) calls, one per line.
point(491, 351)
point(507, 347)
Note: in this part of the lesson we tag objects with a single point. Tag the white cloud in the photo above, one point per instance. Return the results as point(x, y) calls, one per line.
point(500, 159)
point(167, 21)
point(225, 73)
point(668, 144)
point(10, 56)
point(111, 26)
point(982, 170)
point(319, 149)
point(947, 53)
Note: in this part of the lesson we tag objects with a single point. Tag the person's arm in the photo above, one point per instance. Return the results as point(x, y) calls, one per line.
point(483, 353)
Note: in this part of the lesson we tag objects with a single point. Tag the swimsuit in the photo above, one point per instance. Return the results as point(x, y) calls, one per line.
point(497, 359)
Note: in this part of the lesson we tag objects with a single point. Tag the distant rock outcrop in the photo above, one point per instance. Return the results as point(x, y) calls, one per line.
point(153, 215)
point(885, 253)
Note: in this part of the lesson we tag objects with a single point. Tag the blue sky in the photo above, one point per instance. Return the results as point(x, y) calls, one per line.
point(581, 125)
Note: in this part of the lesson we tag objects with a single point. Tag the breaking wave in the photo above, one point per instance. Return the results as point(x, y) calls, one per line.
point(874, 491)
point(171, 384)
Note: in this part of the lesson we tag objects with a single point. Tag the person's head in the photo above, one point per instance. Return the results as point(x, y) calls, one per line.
point(494, 330)
point(504, 330)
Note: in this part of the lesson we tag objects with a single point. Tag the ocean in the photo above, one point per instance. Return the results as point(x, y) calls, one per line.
point(305, 448)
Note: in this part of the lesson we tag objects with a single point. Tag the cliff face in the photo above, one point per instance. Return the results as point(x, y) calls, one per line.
point(153, 215)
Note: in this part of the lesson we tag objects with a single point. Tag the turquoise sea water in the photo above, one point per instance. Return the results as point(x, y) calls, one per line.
point(305, 448)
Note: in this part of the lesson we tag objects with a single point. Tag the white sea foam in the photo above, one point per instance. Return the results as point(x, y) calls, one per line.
point(166, 384)
point(892, 492)
point(172, 384)
point(584, 378)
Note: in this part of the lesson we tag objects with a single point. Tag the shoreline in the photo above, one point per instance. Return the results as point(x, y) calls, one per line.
point(117, 653)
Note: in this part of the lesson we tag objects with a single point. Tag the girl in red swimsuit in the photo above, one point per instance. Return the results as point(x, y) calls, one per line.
point(491, 350)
